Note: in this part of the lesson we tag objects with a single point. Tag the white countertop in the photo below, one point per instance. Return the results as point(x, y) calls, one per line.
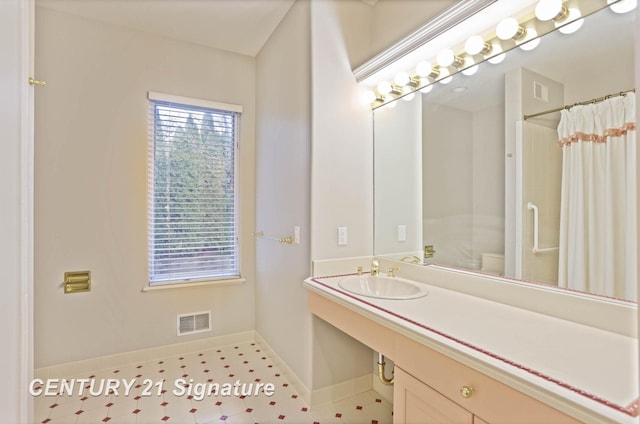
point(586, 372)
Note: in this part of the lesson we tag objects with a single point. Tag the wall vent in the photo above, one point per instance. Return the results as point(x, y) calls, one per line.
point(196, 322)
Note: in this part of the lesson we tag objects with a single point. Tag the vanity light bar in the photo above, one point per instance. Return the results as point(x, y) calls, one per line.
point(510, 33)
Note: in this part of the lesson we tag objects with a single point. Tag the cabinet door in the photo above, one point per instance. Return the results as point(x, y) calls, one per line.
point(416, 403)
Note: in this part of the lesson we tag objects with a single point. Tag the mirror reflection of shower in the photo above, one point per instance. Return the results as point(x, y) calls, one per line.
point(456, 168)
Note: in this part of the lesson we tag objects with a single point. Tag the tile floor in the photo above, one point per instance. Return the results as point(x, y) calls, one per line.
point(154, 396)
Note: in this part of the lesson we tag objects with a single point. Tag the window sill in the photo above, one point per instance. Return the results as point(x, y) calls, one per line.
point(212, 283)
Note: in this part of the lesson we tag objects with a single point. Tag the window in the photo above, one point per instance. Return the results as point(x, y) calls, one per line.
point(192, 204)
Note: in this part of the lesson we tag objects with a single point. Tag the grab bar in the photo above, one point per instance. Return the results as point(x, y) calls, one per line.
point(536, 249)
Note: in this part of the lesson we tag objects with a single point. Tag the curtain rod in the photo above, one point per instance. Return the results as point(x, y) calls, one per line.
point(596, 100)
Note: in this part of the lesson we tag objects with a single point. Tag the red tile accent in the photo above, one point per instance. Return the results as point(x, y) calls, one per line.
point(136, 411)
point(116, 371)
point(206, 371)
point(294, 396)
point(218, 403)
point(161, 362)
point(223, 418)
point(338, 415)
point(249, 410)
point(378, 400)
point(78, 412)
point(359, 408)
point(374, 421)
point(231, 375)
point(277, 375)
point(183, 366)
point(161, 371)
point(203, 362)
point(139, 366)
point(202, 354)
point(193, 410)
point(305, 409)
point(281, 417)
point(285, 385)
point(185, 375)
point(164, 404)
point(165, 418)
point(109, 405)
point(272, 403)
point(181, 358)
point(84, 398)
point(106, 419)
point(137, 398)
point(53, 405)
point(46, 421)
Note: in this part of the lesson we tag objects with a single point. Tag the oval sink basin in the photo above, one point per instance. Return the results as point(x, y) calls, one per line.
point(382, 287)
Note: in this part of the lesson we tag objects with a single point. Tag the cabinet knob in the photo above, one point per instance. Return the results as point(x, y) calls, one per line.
point(466, 391)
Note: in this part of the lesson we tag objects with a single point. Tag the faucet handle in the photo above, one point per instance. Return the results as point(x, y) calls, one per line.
point(392, 271)
point(359, 270)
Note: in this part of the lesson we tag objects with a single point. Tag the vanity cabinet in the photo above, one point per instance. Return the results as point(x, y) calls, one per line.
point(429, 383)
point(415, 402)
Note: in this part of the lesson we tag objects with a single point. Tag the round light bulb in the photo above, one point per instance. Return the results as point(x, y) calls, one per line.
point(423, 69)
point(445, 57)
point(623, 6)
point(401, 79)
point(507, 29)
point(532, 40)
point(576, 23)
point(474, 45)
point(494, 60)
point(546, 10)
point(409, 97)
point(426, 89)
point(368, 97)
point(471, 70)
point(445, 76)
point(384, 88)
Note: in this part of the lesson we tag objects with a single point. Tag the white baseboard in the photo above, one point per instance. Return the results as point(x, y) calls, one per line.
point(342, 390)
point(284, 368)
point(81, 368)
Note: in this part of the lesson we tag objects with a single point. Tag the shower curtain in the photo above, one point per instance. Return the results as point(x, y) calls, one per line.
point(598, 248)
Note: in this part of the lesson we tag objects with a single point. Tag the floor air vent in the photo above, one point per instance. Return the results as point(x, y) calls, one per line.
point(196, 322)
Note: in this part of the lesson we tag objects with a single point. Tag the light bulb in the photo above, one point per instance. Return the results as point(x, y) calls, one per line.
point(546, 10)
point(575, 24)
point(623, 6)
point(470, 70)
point(384, 88)
point(532, 40)
point(445, 76)
point(368, 97)
point(475, 45)
point(409, 94)
point(391, 103)
point(426, 89)
point(499, 57)
point(509, 28)
point(402, 79)
point(445, 58)
point(424, 69)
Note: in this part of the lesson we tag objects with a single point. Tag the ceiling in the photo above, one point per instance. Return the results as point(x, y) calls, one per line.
point(240, 26)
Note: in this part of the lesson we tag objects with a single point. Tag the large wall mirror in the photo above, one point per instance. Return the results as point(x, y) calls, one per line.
point(460, 169)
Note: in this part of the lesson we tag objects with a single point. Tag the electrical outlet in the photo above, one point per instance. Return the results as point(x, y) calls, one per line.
point(342, 236)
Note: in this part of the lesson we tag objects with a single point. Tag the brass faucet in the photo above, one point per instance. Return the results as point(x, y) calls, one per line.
point(375, 266)
point(392, 271)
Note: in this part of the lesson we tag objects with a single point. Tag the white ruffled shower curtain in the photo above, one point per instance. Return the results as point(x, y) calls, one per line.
point(598, 248)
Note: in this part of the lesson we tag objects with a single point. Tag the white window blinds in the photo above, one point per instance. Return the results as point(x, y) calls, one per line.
point(193, 234)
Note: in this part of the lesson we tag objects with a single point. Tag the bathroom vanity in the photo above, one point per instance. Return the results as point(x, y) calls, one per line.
point(462, 358)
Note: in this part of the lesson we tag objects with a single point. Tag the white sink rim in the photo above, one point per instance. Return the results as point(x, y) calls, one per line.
point(383, 287)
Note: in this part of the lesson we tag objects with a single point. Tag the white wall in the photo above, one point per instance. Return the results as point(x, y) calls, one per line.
point(342, 148)
point(283, 159)
point(90, 194)
point(16, 359)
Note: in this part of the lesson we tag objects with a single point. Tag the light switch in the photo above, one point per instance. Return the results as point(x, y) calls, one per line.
point(342, 236)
